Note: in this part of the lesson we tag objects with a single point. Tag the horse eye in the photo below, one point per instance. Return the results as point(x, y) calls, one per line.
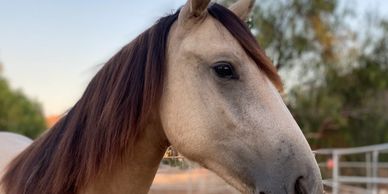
point(225, 70)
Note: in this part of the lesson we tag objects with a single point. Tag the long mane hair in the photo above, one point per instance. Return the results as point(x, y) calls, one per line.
point(103, 126)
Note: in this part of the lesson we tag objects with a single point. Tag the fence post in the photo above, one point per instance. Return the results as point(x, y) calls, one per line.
point(369, 167)
point(190, 168)
point(375, 172)
point(335, 172)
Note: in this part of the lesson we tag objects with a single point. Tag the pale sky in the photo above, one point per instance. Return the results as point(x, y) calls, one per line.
point(51, 49)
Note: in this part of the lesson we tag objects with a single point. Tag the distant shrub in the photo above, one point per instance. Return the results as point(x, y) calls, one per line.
point(19, 114)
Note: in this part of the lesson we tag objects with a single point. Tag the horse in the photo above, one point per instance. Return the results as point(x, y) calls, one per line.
point(11, 145)
point(197, 80)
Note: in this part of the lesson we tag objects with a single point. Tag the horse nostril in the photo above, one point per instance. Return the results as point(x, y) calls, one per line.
point(299, 189)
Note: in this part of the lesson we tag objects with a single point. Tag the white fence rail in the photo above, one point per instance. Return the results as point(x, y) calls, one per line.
point(371, 166)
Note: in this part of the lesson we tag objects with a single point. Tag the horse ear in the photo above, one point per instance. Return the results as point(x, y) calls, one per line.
point(242, 8)
point(193, 9)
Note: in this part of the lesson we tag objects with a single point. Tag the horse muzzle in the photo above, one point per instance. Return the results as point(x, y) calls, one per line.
point(310, 183)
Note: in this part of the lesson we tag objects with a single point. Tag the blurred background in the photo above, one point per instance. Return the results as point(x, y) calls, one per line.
point(332, 56)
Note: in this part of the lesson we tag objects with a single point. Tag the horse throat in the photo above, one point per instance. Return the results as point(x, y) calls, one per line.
point(135, 175)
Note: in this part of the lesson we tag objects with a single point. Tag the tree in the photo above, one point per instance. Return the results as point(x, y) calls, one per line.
point(19, 114)
point(349, 109)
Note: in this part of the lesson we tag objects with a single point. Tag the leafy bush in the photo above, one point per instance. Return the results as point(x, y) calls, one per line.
point(19, 114)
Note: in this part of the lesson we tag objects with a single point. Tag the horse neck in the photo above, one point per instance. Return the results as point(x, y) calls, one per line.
point(136, 173)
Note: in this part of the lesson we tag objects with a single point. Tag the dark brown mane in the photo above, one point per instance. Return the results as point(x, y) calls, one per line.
point(104, 124)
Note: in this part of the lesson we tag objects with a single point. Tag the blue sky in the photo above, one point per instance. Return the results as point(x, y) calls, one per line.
point(51, 49)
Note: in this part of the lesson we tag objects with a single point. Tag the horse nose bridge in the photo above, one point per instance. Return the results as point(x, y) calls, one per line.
point(296, 156)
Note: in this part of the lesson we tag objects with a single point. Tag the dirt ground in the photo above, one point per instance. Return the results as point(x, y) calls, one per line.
point(192, 181)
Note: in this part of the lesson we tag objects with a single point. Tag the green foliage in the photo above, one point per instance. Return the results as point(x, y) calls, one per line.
point(298, 29)
point(19, 114)
point(349, 108)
